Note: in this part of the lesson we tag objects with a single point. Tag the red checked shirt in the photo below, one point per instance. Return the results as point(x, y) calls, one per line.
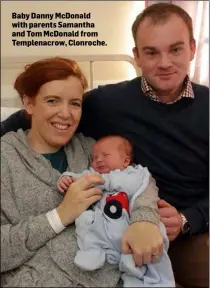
point(187, 91)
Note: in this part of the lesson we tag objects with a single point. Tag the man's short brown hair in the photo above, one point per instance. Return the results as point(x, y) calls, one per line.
point(159, 13)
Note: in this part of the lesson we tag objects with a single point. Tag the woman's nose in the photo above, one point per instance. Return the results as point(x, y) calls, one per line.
point(65, 111)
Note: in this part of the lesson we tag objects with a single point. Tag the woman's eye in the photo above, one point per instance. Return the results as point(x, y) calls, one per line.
point(51, 101)
point(76, 104)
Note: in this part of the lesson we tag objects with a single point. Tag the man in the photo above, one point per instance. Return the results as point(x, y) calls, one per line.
point(165, 116)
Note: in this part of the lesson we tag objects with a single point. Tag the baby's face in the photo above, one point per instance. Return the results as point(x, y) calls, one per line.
point(107, 156)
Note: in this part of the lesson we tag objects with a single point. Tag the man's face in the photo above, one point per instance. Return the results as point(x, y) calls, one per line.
point(164, 52)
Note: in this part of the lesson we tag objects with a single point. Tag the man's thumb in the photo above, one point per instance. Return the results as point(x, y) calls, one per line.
point(163, 204)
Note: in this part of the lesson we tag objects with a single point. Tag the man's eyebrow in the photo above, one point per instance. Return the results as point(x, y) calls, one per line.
point(177, 43)
point(172, 45)
point(149, 48)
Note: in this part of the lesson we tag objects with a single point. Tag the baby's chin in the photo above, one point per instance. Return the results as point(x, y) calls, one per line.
point(102, 170)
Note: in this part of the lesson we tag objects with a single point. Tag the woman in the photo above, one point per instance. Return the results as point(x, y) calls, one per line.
point(37, 230)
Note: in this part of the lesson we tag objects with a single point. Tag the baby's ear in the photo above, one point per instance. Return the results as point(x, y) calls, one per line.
point(127, 161)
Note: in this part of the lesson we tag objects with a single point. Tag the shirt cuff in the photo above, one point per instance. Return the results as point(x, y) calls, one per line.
point(195, 220)
point(55, 221)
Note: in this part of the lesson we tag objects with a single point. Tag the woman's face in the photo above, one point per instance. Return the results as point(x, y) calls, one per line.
point(56, 112)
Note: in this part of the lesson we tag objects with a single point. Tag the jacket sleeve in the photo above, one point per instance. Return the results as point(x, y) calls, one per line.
point(15, 121)
point(198, 216)
point(145, 207)
point(21, 236)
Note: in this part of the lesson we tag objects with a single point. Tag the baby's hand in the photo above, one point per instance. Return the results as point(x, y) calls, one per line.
point(64, 183)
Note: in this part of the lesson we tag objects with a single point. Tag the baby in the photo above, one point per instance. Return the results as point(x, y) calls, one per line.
point(99, 230)
point(108, 154)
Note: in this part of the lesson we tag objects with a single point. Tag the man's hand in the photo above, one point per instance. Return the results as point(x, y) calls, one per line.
point(144, 241)
point(170, 218)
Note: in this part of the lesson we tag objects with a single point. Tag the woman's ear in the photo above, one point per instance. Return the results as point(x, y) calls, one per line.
point(127, 161)
point(28, 103)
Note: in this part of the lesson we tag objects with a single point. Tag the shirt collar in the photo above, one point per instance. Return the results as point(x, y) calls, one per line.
point(187, 91)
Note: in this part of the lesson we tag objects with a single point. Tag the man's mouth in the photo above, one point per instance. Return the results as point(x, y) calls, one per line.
point(165, 74)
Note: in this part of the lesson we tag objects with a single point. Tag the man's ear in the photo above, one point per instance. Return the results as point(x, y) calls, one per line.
point(28, 103)
point(127, 161)
point(136, 56)
point(135, 52)
point(193, 49)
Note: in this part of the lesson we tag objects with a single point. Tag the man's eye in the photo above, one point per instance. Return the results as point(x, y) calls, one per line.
point(176, 50)
point(151, 53)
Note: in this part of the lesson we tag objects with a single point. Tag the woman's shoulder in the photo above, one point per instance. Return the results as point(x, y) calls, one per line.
point(84, 139)
point(7, 140)
point(78, 152)
point(12, 140)
point(80, 139)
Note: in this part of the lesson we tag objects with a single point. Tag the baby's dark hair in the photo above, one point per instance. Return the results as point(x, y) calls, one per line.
point(126, 145)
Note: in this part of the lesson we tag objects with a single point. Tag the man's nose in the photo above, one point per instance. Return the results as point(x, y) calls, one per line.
point(164, 61)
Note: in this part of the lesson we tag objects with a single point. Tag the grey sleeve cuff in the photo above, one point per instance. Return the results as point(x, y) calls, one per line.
point(145, 214)
point(145, 207)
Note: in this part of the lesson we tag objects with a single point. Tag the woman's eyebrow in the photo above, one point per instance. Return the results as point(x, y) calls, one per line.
point(76, 99)
point(58, 97)
point(51, 96)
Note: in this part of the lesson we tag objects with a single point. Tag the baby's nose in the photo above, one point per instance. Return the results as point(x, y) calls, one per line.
point(99, 159)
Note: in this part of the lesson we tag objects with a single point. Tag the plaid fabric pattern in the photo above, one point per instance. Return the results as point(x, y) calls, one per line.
point(187, 91)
